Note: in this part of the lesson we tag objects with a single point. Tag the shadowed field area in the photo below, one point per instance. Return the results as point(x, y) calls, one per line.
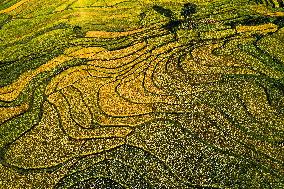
point(141, 94)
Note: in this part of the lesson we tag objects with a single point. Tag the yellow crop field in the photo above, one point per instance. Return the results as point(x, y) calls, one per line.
point(163, 94)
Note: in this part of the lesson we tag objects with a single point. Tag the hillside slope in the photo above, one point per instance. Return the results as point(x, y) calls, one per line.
point(141, 94)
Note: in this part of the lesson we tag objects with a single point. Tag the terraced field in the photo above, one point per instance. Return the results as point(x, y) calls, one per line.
point(141, 94)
